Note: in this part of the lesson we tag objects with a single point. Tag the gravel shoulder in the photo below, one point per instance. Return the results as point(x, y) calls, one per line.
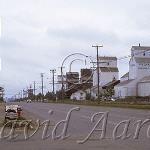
point(26, 115)
point(2, 112)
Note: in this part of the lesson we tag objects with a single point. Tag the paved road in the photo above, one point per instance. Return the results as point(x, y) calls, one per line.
point(80, 126)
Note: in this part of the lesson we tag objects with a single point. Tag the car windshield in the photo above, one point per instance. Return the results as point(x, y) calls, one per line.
point(11, 110)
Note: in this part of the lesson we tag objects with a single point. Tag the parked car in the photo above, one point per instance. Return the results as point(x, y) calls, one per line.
point(29, 101)
point(113, 99)
point(12, 111)
point(11, 114)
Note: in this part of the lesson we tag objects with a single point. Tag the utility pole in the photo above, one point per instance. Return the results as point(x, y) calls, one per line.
point(62, 84)
point(62, 80)
point(42, 76)
point(98, 78)
point(53, 71)
point(23, 94)
point(27, 93)
point(34, 84)
point(15, 97)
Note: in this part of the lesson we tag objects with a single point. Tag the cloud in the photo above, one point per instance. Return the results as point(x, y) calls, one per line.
point(9, 43)
point(83, 33)
point(37, 34)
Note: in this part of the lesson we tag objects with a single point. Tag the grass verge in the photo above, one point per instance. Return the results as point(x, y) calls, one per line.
point(119, 104)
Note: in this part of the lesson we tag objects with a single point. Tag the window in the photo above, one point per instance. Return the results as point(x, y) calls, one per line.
point(81, 94)
point(144, 54)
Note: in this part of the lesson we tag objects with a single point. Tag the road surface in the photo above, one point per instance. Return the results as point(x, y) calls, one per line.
point(80, 126)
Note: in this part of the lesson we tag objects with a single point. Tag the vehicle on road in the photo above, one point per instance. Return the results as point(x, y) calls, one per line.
point(12, 111)
point(29, 101)
point(113, 99)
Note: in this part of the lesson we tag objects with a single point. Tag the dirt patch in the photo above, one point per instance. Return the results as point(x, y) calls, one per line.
point(20, 122)
point(2, 113)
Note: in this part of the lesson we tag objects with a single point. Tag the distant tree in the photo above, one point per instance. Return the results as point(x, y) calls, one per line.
point(50, 96)
point(1, 94)
point(39, 96)
point(109, 92)
point(88, 96)
point(1, 99)
point(60, 94)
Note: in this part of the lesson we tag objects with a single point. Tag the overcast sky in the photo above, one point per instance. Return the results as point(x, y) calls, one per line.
point(38, 34)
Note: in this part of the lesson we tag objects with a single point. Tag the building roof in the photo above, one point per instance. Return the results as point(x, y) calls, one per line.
point(111, 84)
point(107, 58)
point(71, 73)
point(125, 82)
point(76, 87)
point(142, 60)
point(145, 79)
point(126, 75)
point(109, 69)
point(140, 48)
point(94, 87)
point(59, 76)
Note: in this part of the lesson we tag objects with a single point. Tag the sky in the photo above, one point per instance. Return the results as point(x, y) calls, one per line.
point(36, 35)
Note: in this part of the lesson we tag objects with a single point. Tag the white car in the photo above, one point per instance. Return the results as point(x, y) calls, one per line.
point(11, 114)
point(11, 111)
point(29, 101)
point(113, 99)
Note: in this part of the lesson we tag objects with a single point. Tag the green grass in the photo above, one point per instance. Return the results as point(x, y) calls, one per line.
point(119, 104)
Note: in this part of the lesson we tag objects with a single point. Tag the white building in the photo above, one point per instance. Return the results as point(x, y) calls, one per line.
point(108, 72)
point(144, 86)
point(78, 95)
point(136, 81)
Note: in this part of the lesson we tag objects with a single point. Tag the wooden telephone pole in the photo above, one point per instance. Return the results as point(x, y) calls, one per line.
point(98, 78)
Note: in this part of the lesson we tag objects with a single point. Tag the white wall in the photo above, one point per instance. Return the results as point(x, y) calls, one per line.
point(126, 90)
point(144, 89)
point(79, 95)
point(124, 79)
point(143, 70)
point(105, 77)
point(120, 92)
point(94, 94)
point(138, 70)
point(132, 69)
